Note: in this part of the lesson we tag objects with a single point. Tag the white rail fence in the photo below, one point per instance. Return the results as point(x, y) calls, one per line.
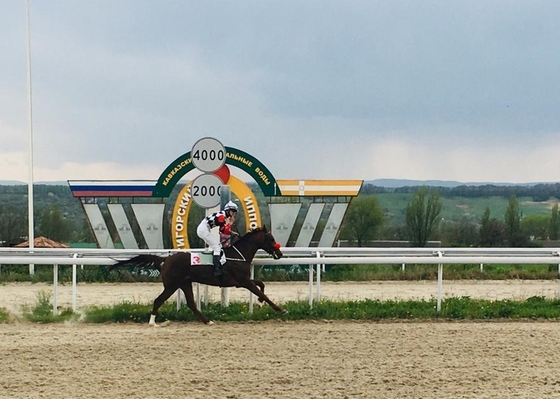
point(315, 257)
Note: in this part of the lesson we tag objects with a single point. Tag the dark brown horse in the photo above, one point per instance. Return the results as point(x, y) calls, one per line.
point(177, 272)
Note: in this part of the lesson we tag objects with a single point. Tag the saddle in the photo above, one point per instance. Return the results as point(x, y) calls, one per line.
point(205, 258)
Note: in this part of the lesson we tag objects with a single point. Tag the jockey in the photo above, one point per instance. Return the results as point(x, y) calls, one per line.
point(223, 220)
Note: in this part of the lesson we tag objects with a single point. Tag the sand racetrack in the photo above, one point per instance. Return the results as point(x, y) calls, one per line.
point(281, 360)
point(278, 359)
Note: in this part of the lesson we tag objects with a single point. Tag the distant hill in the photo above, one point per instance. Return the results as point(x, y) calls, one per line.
point(20, 183)
point(11, 183)
point(396, 183)
point(388, 183)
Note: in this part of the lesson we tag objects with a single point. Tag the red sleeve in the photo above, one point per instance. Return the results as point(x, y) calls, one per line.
point(221, 219)
point(226, 229)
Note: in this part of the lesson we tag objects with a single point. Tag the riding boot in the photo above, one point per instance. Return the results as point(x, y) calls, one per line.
point(217, 265)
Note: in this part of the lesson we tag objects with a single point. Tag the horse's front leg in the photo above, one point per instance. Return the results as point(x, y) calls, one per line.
point(259, 284)
point(191, 303)
point(252, 286)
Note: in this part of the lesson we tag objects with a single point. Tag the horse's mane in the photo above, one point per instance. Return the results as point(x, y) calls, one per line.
point(251, 233)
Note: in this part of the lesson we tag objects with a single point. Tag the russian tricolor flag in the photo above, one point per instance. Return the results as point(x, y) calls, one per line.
point(112, 188)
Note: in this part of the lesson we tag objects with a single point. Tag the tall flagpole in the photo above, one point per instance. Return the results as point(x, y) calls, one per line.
point(31, 232)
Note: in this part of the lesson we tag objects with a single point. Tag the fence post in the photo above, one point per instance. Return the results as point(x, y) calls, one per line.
point(558, 277)
point(440, 283)
point(318, 293)
point(55, 290)
point(311, 285)
point(74, 286)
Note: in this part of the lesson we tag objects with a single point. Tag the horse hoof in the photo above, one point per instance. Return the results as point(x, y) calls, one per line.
point(210, 323)
point(284, 312)
point(164, 324)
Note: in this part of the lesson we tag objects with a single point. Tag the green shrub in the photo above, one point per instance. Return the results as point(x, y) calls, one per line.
point(42, 311)
point(4, 315)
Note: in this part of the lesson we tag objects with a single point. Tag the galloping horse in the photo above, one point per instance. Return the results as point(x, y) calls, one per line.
point(177, 272)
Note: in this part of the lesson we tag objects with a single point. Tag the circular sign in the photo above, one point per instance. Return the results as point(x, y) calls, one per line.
point(208, 154)
point(205, 190)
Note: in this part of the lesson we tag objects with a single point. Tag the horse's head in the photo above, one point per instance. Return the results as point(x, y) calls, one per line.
point(270, 245)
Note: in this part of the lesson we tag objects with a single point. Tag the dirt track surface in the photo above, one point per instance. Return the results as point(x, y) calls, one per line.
point(291, 360)
point(278, 359)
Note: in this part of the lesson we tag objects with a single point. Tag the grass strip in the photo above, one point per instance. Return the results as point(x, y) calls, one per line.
point(457, 308)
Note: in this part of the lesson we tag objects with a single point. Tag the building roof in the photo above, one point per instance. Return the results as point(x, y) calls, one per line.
point(42, 242)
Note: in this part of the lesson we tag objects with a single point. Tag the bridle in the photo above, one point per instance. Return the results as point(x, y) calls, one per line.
point(275, 246)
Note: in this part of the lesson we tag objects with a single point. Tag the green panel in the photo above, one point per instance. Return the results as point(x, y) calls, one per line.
point(255, 168)
point(171, 176)
point(182, 165)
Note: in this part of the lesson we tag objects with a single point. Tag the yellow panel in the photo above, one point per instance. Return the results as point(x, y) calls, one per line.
point(320, 187)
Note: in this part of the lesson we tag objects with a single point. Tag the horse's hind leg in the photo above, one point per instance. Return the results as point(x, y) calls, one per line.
point(164, 296)
point(187, 289)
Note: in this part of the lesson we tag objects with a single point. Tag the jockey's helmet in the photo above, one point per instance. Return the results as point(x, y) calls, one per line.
point(231, 206)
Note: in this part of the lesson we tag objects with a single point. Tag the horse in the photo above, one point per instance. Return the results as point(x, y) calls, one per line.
point(177, 272)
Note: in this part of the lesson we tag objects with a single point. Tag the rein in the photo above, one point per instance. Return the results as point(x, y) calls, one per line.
point(242, 259)
point(235, 259)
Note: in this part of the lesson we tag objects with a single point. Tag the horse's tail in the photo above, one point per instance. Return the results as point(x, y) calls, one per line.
point(140, 261)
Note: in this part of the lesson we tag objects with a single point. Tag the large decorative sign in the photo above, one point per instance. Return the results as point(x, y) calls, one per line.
point(234, 157)
point(292, 221)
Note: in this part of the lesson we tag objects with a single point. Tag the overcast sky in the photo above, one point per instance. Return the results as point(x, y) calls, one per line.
point(445, 90)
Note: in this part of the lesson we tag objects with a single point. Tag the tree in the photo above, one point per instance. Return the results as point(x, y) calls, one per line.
point(535, 226)
point(363, 219)
point(13, 224)
point(491, 232)
point(422, 216)
point(512, 224)
point(462, 233)
point(554, 229)
point(53, 225)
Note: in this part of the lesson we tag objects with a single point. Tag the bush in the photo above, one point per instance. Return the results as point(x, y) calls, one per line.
point(42, 311)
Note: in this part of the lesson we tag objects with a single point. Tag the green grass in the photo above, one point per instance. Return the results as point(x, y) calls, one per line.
point(463, 308)
point(456, 308)
point(4, 315)
point(455, 208)
point(414, 272)
point(42, 310)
